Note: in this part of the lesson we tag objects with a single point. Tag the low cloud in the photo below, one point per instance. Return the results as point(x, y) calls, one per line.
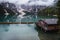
point(43, 2)
point(32, 2)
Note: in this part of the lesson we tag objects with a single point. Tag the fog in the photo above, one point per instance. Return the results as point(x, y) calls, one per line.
point(32, 2)
point(44, 2)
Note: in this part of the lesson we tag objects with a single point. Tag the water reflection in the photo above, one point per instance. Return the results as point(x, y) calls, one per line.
point(18, 32)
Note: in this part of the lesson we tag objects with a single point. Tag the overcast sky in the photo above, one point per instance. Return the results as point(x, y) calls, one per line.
point(43, 2)
point(32, 2)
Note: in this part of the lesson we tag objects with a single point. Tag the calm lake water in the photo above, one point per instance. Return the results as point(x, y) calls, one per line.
point(25, 19)
point(25, 32)
point(18, 32)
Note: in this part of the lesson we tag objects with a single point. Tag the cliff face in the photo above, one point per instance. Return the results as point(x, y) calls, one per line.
point(1, 10)
point(7, 8)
